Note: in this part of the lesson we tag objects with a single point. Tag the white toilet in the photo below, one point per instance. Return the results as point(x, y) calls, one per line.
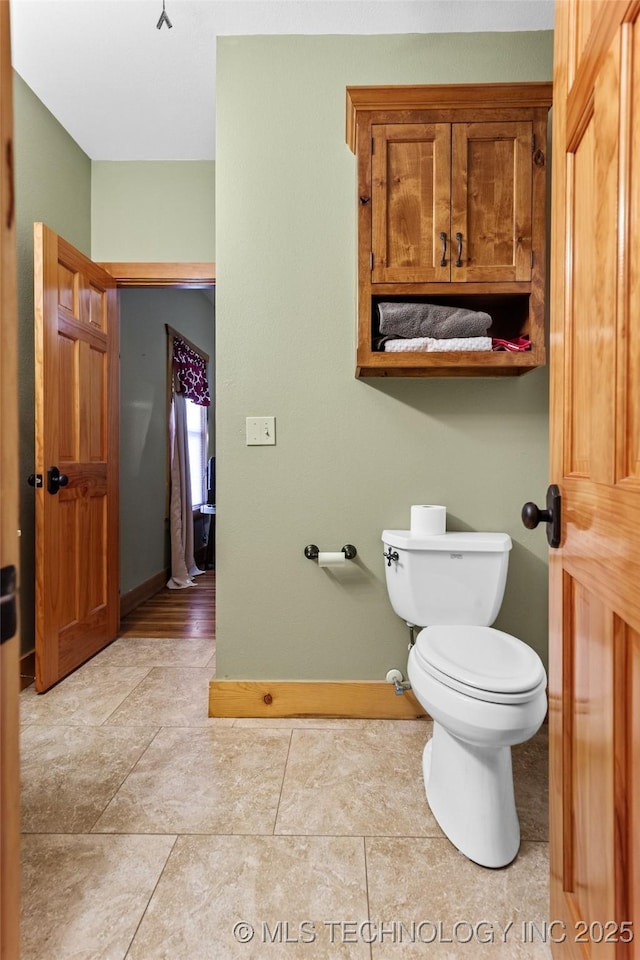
point(484, 689)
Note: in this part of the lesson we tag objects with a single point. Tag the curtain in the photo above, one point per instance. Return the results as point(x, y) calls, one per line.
point(188, 366)
point(190, 373)
point(183, 565)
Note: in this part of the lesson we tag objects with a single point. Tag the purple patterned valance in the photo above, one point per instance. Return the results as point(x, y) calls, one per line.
point(190, 373)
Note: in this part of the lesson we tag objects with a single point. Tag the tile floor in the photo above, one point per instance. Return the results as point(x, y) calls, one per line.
point(154, 833)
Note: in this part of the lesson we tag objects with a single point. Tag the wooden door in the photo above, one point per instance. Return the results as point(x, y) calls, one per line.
point(410, 202)
point(594, 681)
point(9, 553)
point(77, 563)
point(491, 201)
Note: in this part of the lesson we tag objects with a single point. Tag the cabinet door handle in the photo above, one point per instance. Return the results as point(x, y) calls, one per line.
point(459, 257)
point(443, 261)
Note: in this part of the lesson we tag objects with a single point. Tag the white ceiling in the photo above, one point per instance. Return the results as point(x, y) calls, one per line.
point(125, 90)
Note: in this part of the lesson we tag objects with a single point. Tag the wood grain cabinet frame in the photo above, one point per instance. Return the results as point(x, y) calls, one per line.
point(451, 198)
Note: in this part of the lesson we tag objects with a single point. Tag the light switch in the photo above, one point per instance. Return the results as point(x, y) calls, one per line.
point(261, 431)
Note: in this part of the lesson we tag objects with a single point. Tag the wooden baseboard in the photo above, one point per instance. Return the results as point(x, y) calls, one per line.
point(27, 669)
point(370, 700)
point(129, 601)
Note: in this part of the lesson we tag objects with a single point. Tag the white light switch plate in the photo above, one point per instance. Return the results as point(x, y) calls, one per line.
point(261, 431)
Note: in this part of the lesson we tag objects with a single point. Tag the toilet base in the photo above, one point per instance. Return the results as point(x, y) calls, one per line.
point(470, 792)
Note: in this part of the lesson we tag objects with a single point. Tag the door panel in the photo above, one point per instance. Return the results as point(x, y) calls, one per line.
point(628, 440)
point(9, 547)
point(589, 783)
point(77, 588)
point(583, 323)
point(491, 198)
point(594, 677)
point(410, 198)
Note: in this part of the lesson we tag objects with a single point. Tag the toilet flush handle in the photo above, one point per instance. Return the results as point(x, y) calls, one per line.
point(532, 516)
point(391, 555)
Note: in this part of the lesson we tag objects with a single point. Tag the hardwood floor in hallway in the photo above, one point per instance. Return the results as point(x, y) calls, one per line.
point(182, 614)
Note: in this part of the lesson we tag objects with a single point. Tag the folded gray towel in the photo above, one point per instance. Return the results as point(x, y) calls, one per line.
point(431, 320)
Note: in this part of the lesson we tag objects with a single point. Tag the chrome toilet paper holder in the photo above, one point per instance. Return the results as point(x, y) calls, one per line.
point(311, 551)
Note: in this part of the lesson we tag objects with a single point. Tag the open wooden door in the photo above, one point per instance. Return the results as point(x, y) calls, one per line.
point(9, 552)
point(77, 479)
point(594, 692)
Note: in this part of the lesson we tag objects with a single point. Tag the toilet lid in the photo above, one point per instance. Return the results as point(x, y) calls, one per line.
point(481, 658)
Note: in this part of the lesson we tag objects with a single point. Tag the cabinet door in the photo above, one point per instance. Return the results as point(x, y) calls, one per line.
point(491, 215)
point(411, 202)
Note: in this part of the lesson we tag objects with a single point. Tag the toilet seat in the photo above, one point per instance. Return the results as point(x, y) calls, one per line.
point(481, 662)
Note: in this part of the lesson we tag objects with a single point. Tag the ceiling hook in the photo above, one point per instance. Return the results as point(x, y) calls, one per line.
point(164, 18)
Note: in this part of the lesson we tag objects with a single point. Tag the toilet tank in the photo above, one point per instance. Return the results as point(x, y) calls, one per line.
point(451, 578)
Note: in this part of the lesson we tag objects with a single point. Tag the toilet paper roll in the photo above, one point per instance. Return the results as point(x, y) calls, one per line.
point(428, 520)
point(331, 559)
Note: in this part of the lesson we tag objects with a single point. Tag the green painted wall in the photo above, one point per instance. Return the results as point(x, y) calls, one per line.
point(143, 419)
point(53, 184)
point(351, 457)
point(153, 210)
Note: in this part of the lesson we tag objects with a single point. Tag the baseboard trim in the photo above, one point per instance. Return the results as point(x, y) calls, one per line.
point(27, 669)
point(144, 591)
point(368, 700)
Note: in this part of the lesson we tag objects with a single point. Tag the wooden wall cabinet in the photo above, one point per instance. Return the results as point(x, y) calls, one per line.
point(452, 185)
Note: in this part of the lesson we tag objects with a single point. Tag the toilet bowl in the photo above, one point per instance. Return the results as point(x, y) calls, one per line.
point(484, 689)
point(467, 763)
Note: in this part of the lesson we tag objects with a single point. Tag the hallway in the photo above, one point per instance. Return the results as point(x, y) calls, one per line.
point(151, 832)
point(176, 613)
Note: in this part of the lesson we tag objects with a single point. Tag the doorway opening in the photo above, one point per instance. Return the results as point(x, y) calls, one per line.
point(150, 297)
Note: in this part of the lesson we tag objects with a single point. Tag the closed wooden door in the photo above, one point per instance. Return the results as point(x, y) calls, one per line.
point(491, 201)
point(411, 164)
point(594, 682)
point(77, 568)
point(9, 551)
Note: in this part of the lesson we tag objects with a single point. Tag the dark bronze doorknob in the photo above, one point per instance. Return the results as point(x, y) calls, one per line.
point(55, 480)
point(532, 515)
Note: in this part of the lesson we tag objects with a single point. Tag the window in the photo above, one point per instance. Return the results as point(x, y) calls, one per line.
point(197, 431)
point(187, 372)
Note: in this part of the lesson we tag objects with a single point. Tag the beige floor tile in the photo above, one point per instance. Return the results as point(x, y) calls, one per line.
point(69, 774)
point(160, 652)
point(422, 727)
point(169, 697)
point(335, 723)
point(427, 900)
point(531, 785)
point(216, 780)
point(287, 889)
point(83, 896)
point(88, 696)
point(348, 782)
point(94, 760)
point(297, 723)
